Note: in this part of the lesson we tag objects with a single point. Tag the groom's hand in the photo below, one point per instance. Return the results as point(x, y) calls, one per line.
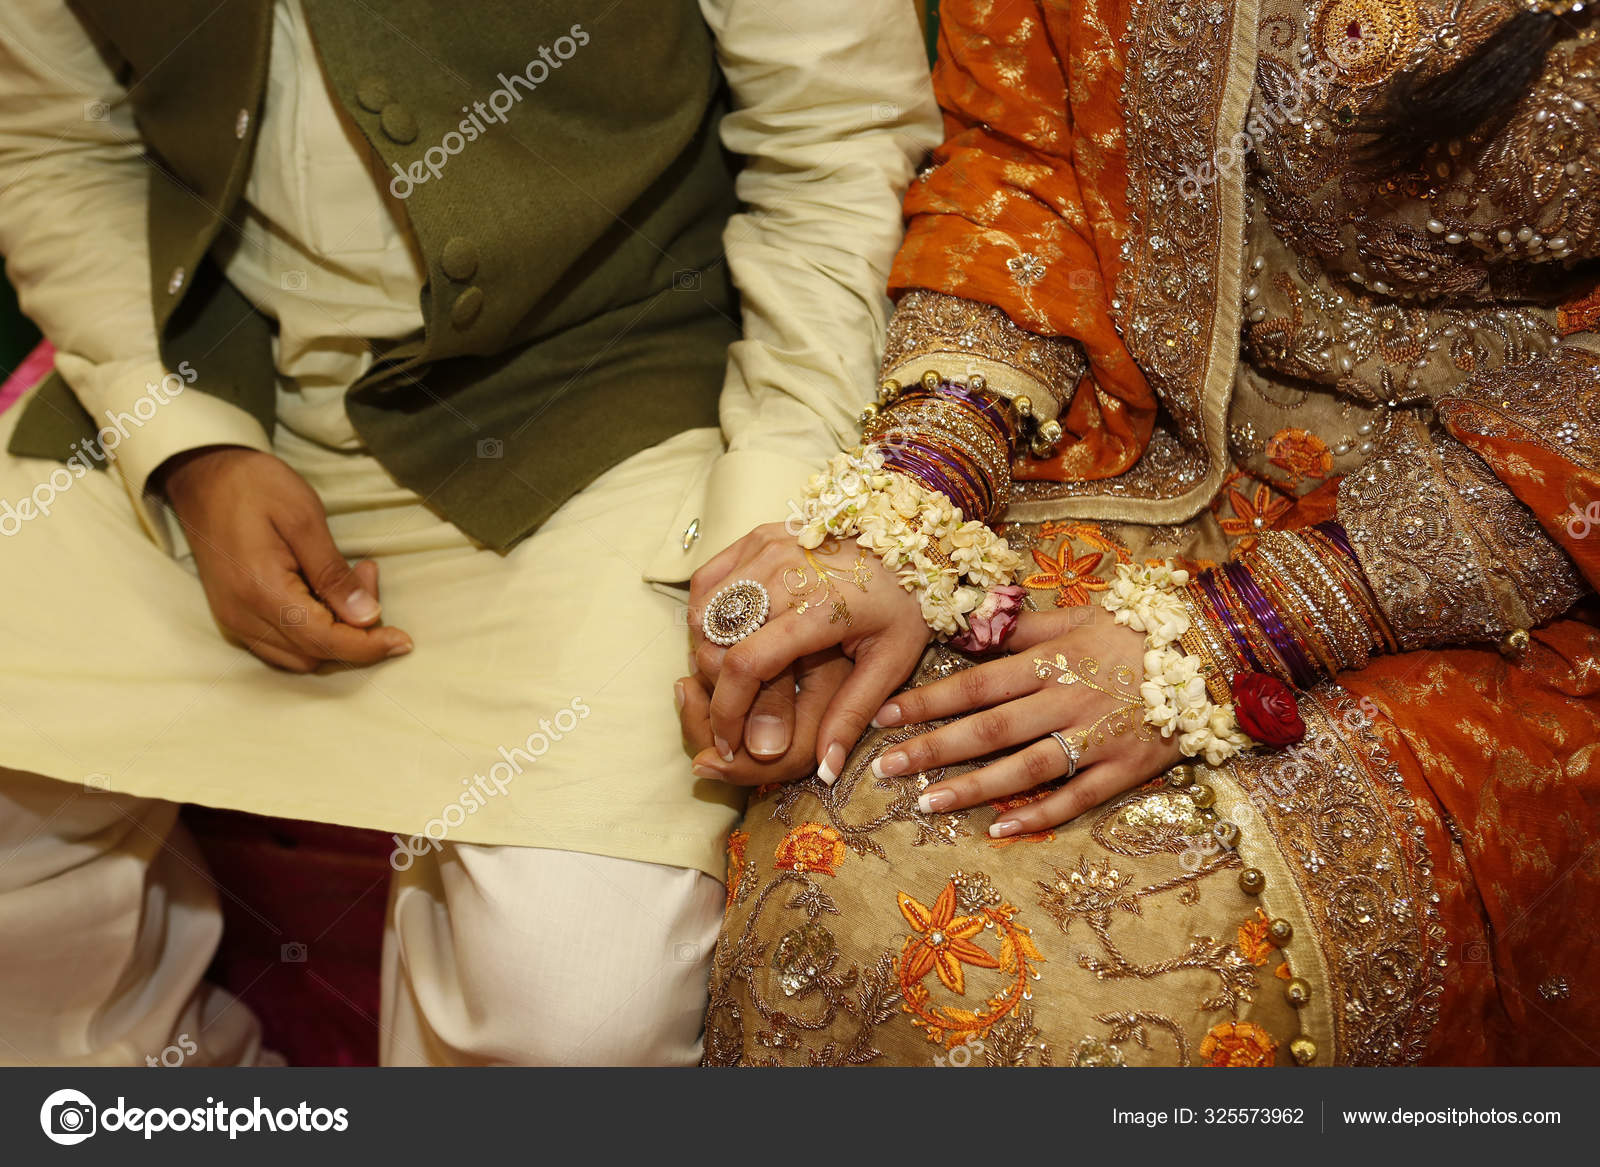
point(271, 573)
point(862, 612)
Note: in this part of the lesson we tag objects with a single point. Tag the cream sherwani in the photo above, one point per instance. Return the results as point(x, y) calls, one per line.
point(541, 680)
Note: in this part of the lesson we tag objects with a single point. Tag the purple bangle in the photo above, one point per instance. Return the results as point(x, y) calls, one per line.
point(1301, 671)
point(1207, 581)
point(1336, 534)
point(924, 472)
point(935, 471)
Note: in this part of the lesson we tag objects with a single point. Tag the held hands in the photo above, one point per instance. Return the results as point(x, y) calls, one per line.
point(271, 573)
point(1076, 673)
point(797, 694)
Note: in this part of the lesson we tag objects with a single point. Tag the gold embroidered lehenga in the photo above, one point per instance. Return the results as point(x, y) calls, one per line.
point(1236, 344)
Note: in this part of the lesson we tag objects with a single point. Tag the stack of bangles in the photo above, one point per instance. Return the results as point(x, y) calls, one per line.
point(1225, 650)
point(934, 469)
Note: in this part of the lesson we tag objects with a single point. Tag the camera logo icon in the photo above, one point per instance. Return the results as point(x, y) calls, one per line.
point(491, 448)
point(293, 953)
point(686, 280)
point(67, 1117)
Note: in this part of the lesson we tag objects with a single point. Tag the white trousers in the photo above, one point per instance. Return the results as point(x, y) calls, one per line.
point(492, 955)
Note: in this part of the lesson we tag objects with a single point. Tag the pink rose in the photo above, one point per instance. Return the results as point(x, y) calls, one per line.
point(991, 622)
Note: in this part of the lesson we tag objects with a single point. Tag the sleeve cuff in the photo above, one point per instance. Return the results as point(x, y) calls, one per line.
point(738, 492)
point(146, 414)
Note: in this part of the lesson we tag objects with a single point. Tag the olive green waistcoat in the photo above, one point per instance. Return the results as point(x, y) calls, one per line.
point(576, 310)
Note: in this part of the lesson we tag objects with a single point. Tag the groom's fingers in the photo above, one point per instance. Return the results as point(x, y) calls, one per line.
point(882, 666)
point(756, 659)
point(770, 728)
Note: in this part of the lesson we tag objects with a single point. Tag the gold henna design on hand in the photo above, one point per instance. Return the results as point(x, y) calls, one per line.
point(811, 590)
point(1127, 717)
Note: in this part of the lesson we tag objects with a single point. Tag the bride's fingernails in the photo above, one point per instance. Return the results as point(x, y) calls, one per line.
point(832, 763)
point(723, 751)
point(934, 801)
point(678, 695)
point(888, 765)
point(1004, 827)
point(888, 716)
point(707, 773)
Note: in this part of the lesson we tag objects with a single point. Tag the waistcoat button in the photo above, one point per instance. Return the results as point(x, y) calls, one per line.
point(372, 94)
point(241, 124)
point(398, 124)
point(467, 306)
point(460, 259)
point(175, 282)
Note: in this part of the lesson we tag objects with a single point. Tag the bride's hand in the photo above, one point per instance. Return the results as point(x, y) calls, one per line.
point(1074, 672)
point(835, 595)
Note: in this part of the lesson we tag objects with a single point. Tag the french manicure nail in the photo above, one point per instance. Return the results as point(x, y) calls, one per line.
point(678, 695)
point(888, 716)
point(401, 649)
point(766, 736)
point(832, 763)
point(362, 606)
point(933, 801)
point(1003, 828)
point(888, 765)
point(723, 751)
point(707, 773)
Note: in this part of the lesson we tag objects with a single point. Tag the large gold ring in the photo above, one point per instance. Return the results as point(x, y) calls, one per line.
point(735, 612)
point(1072, 752)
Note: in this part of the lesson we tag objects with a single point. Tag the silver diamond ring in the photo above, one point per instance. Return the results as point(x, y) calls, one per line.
point(1072, 752)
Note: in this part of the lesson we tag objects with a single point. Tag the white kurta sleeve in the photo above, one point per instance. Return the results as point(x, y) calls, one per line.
point(74, 183)
point(833, 110)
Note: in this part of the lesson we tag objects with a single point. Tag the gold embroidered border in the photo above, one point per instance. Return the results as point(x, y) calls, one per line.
point(1305, 956)
point(1348, 832)
point(1190, 76)
point(957, 338)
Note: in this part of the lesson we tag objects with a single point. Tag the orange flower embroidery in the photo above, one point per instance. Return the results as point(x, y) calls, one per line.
point(1256, 513)
point(1238, 1045)
point(810, 847)
point(1254, 944)
point(945, 945)
point(1302, 454)
point(1069, 574)
point(738, 843)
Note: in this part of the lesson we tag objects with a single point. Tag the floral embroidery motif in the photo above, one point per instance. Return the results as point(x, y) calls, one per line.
point(1254, 944)
point(1027, 269)
point(740, 868)
point(1070, 574)
point(1256, 513)
point(811, 847)
point(1238, 1045)
point(1302, 454)
point(946, 942)
point(941, 943)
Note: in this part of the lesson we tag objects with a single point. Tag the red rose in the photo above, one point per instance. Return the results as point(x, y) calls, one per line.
point(1266, 709)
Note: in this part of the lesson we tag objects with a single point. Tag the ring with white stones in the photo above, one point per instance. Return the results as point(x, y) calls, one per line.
point(735, 612)
point(1072, 752)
